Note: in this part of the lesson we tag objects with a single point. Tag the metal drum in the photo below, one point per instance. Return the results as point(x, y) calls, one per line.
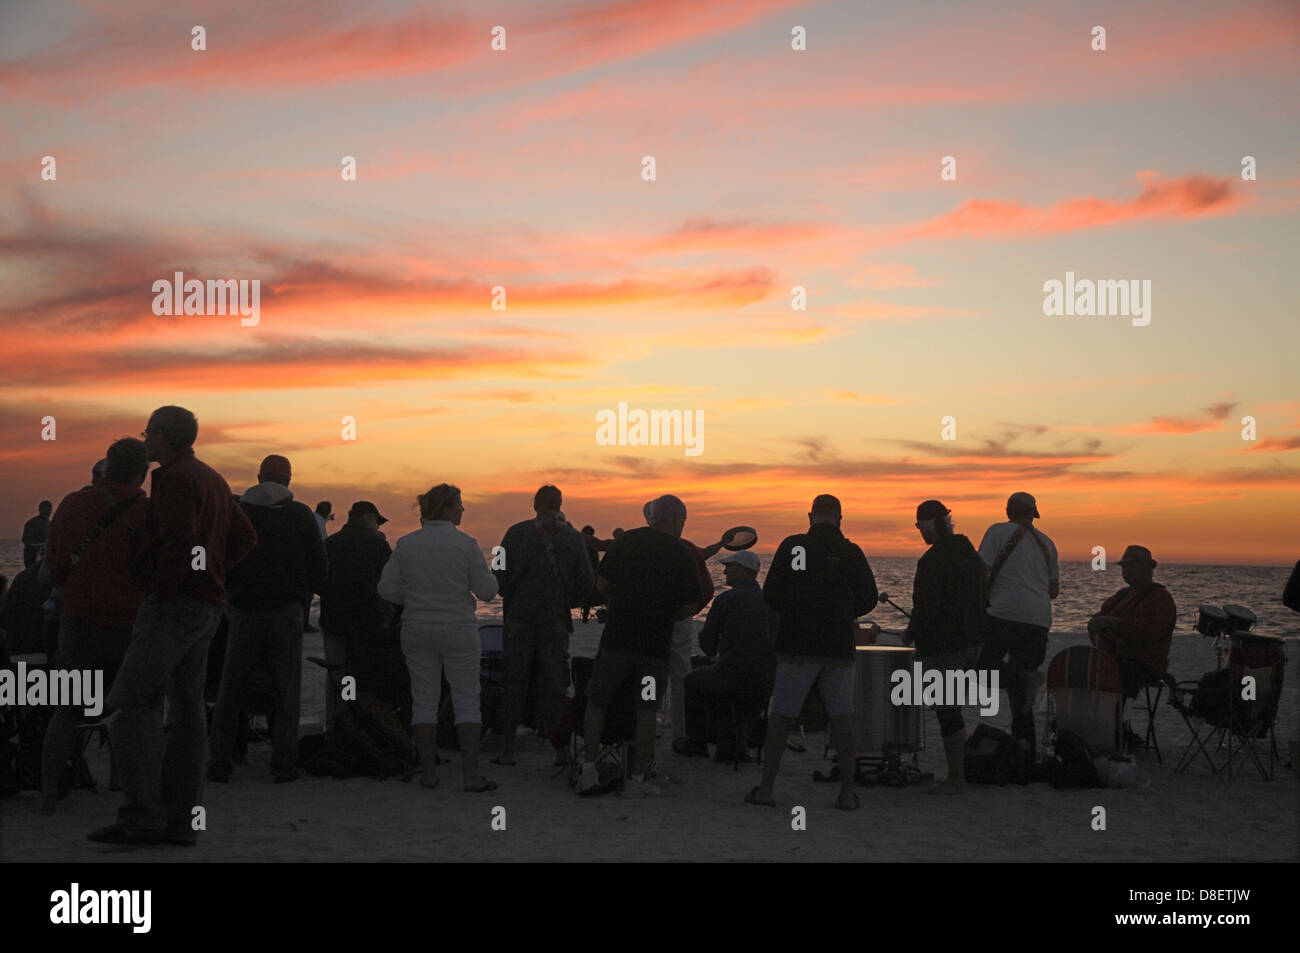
point(879, 725)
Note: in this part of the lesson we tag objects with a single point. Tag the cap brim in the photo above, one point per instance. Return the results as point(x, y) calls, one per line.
point(381, 520)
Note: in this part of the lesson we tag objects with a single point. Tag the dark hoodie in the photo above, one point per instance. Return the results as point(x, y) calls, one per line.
point(947, 598)
point(819, 603)
point(288, 563)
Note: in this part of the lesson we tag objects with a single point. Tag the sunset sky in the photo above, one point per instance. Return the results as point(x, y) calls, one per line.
point(775, 168)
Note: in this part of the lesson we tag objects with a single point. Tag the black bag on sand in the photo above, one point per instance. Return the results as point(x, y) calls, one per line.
point(990, 756)
point(1072, 764)
point(369, 739)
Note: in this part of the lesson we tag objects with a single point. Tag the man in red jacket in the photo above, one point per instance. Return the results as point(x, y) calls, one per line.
point(91, 546)
point(195, 533)
point(1136, 625)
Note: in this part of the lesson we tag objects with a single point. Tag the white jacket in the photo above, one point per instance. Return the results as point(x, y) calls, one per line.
point(436, 573)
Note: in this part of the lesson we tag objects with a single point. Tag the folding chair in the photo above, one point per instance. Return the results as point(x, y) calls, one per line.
point(1085, 693)
point(1149, 705)
point(1233, 710)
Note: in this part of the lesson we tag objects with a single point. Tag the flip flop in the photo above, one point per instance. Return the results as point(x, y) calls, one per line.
point(753, 798)
point(482, 789)
point(501, 760)
point(839, 802)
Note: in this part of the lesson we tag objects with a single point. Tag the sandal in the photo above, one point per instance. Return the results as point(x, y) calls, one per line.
point(840, 803)
point(501, 760)
point(481, 788)
point(753, 798)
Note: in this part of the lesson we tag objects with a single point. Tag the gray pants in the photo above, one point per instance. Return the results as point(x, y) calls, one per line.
point(168, 656)
point(277, 634)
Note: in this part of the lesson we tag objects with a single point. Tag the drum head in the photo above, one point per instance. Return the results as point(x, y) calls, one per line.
point(745, 537)
point(1240, 618)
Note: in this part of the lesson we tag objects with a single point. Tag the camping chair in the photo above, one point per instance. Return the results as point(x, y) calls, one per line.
point(613, 758)
point(1234, 709)
point(1085, 692)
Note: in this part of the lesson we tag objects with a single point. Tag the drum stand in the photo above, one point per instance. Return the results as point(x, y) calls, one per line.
point(888, 768)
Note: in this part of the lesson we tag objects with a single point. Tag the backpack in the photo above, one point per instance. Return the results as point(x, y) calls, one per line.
point(990, 756)
point(368, 739)
point(1072, 764)
point(1210, 700)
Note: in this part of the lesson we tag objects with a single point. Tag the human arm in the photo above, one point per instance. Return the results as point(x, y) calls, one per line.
point(241, 537)
point(780, 578)
point(689, 592)
point(506, 574)
point(481, 581)
point(712, 630)
point(392, 586)
point(317, 559)
point(1053, 572)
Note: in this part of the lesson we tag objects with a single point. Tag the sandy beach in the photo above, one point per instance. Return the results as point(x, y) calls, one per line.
point(700, 815)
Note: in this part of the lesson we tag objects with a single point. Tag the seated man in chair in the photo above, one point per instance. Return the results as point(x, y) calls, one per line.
point(741, 630)
point(1136, 625)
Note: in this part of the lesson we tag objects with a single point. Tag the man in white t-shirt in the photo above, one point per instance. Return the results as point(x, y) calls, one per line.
point(1024, 579)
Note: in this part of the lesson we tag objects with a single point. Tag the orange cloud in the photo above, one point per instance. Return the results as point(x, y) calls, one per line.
point(1183, 198)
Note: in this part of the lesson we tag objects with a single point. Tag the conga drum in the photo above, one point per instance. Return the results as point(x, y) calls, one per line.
point(1211, 621)
point(1240, 619)
point(879, 726)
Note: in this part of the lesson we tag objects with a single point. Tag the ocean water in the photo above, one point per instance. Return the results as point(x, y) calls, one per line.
point(1083, 590)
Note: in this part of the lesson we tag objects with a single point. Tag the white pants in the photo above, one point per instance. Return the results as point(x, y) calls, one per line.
point(679, 666)
point(431, 649)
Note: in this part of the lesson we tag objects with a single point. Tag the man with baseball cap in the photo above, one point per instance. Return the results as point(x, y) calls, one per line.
point(820, 583)
point(946, 623)
point(1136, 625)
point(268, 592)
point(1024, 578)
point(354, 621)
point(740, 630)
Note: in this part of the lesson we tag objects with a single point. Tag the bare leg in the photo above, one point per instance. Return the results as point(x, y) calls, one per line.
point(643, 743)
point(593, 727)
point(60, 740)
point(841, 731)
point(468, 734)
point(426, 744)
point(778, 730)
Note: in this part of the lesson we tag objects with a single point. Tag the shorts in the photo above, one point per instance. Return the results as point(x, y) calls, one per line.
point(613, 667)
point(834, 679)
point(1023, 645)
point(85, 646)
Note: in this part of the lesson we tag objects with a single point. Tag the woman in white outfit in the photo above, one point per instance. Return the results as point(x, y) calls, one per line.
point(436, 574)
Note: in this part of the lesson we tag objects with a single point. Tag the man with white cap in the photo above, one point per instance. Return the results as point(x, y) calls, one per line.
point(740, 630)
point(1023, 581)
